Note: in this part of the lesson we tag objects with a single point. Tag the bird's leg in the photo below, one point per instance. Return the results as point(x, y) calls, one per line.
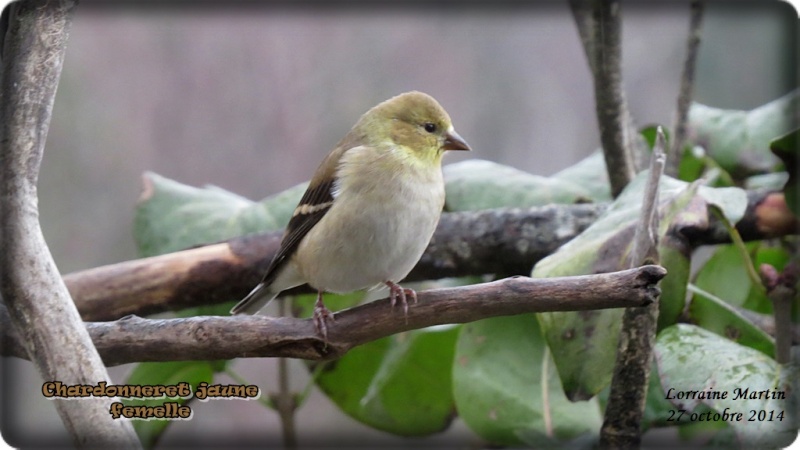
point(395, 291)
point(322, 315)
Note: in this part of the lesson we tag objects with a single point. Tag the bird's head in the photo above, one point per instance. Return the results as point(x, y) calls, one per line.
point(415, 122)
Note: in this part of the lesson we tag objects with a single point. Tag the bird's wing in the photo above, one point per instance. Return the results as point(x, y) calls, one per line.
point(316, 202)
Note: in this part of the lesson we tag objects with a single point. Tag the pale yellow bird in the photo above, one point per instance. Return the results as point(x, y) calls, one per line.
point(370, 209)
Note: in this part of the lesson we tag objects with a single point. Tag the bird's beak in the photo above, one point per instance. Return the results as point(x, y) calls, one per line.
point(452, 141)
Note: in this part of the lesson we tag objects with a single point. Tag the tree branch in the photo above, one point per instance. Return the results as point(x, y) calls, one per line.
point(687, 86)
point(622, 425)
point(39, 305)
point(612, 110)
point(584, 21)
point(502, 242)
point(781, 289)
point(133, 339)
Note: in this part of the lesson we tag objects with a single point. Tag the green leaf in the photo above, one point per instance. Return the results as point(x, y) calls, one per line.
point(690, 358)
point(774, 255)
point(165, 373)
point(738, 140)
point(656, 408)
point(508, 391)
point(786, 148)
point(590, 174)
point(584, 342)
point(714, 314)
point(400, 384)
point(769, 181)
point(725, 276)
point(650, 132)
point(478, 184)
point(692, 165)
point(172, 216)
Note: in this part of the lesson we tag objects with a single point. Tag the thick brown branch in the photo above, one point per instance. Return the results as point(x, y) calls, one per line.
point(501, 241)
point(39, 305)
point(134, 339)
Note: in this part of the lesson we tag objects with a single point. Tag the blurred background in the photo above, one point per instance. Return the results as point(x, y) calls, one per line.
point(251, 99)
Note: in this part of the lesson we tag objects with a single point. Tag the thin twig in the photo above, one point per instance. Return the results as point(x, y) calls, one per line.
point(782, 290)
point(687, 86)
point(582, 13)
point(626, 400)
point(285, 400)
point(39, 305)
point(133, 339)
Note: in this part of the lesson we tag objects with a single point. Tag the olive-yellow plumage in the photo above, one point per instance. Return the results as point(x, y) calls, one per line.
point(370, 209)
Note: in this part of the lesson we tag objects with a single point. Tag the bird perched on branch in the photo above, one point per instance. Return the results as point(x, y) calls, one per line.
point(370, 209)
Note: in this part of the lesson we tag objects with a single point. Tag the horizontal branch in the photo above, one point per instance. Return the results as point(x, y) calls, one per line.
point(502, 242)
point(133, 339)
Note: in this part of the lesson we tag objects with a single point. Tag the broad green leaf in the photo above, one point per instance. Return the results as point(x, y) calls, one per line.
point(589, 173)
point(508, 391)
point(745, 381)
point(739, 140)
point(714, 314)
point(478, 184)
point(400, 384)
point(786, 148)
point(165, 373)
point(774, 255)
point(771, 181)
point(725, 276)
point(650, 132)
point(584, 343)
point(172, 216)
point(693, 164)
point(656, 408)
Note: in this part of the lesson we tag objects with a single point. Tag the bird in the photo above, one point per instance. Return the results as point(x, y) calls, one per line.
point(370, 208)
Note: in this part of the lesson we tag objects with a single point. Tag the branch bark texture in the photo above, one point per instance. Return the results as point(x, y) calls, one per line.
point(132, 338)
point(502, 242)
point(687, 86)
point(39, 304)
point(622, 424)
point(612, 110)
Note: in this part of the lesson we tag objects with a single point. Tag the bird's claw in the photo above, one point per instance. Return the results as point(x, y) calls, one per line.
point(396, 291)
point(321, 316)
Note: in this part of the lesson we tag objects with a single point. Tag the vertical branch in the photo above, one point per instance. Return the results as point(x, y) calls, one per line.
point(687, 86)
point(626, 401)
point(285, 401)
point(612, 112)
point(582, 13)
point(782, 290)
point(38, 302)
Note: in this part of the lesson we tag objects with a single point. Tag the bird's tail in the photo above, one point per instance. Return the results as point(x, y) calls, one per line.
point(255, 300)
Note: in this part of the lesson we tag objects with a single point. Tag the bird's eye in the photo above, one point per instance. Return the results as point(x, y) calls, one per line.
point(430, 127)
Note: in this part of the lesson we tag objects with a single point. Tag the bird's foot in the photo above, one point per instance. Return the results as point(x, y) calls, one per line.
point(396, 291)
point(321, 316)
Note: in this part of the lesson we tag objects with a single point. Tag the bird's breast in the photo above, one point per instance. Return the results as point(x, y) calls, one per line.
point(376, 231)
